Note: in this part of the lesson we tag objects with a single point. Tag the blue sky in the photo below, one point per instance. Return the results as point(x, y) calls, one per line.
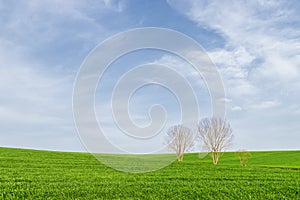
point(254, 44)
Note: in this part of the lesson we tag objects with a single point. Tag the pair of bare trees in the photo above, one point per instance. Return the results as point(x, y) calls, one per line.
point(214, 133)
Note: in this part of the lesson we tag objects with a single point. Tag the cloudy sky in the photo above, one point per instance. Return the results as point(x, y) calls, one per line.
point(254, 44)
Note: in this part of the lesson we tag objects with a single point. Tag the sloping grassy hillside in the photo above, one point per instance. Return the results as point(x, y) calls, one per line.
point(281, 159)
point(29, 174)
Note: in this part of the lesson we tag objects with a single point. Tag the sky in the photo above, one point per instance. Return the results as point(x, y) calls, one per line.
point(255, 46)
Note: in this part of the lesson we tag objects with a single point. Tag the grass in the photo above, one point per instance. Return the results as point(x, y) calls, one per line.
point(30, 174)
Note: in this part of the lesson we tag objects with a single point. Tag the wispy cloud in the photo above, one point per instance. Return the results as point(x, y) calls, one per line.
point(262, 40)
point(266, 104)
point(255, 45)
point(42, 44)
point(236, 108)
point(259, 60)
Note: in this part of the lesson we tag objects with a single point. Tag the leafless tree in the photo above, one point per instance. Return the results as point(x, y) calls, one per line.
point(216, 136)
point(180, 139)
point(244, 156)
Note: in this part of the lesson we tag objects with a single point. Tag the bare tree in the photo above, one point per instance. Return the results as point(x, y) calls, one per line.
point(216, 136)
point(180, 139)
point(244, 156)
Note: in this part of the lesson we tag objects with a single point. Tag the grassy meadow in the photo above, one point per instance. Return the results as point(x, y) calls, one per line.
point(32, 174)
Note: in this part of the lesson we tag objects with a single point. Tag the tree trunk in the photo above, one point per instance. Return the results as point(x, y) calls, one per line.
point(215, 157)
point(180, 157)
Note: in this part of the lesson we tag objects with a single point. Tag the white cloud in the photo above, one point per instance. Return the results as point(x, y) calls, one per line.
point(36, 95)
point(30, 94)
point(252, 29)
point(262, 45)
point(117, 5)
point(266, 104)
point(238, 57)
point(226, 100)
point(236, 108)
point(40, 26)
point(176, 63)
point(278, 67)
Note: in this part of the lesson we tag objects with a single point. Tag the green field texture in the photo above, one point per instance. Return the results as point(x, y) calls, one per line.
point(34, 174)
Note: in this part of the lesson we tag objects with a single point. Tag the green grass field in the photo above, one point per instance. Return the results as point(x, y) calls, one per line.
point(30, 174)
